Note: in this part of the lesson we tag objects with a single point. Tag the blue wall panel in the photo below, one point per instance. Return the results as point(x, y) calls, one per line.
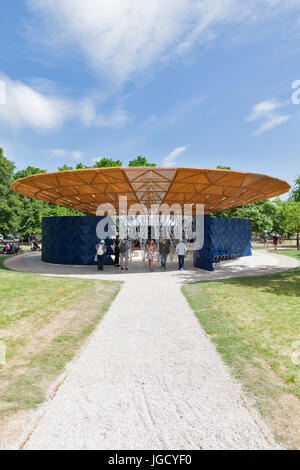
point(223, 237)
point(72, 240)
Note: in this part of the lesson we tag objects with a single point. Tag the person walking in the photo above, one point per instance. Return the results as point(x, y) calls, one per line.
point(164, 250)
point(275, 242)
point(30, 240)
point(117, 251)
point(124, 249)
point(181, 250)
point(150, 251)
point(101, 250)
point(265, 239)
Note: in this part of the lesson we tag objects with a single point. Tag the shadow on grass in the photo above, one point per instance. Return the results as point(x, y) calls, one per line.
point(281, 283)
point(286, 283)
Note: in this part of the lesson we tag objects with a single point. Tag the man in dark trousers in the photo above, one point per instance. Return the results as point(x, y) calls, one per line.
point(101, 250)
point(164, 251)
point(117, 251)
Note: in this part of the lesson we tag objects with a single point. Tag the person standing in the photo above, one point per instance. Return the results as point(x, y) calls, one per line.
point(101, 250)
point(164, 250)
point(275, 242)
point(117, 251)
point(8, 248)
point(181, 250)
point(31, 238)
point(124, 249)
point(150, 251)
point(265, 239)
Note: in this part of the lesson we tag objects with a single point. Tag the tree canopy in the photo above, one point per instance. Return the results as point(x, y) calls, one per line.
point(263, 215)
point(140, 161)
point(101, 163)
point(295, 192)
point(105, 162)
point(10, 206)
point(221, 167)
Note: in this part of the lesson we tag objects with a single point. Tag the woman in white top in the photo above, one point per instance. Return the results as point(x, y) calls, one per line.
point(101, 250)
point(150, 251)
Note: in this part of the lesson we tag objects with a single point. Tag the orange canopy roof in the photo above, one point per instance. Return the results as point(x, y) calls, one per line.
point(86, 189)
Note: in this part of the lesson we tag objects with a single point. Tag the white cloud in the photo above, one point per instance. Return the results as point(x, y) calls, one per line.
point(267, 111)
point(2, 92)
point(26, 107)
point(171, 159)
point(76, 155)
point(29, 107)
point(59, 152)
point(123, 37)
point(114, 119)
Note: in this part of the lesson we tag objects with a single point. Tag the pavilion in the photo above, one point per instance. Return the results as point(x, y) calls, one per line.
point(85, 190)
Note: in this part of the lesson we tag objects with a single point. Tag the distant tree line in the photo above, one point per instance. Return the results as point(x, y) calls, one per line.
point(109, 162)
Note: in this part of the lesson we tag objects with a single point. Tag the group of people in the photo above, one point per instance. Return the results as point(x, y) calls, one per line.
point(164, 251)
point(121, 251)
point(11, 248)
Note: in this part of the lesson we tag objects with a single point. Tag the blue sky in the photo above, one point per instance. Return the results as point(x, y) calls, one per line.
point(184, 82)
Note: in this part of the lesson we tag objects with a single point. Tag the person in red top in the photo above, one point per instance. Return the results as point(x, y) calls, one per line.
point(275, 242)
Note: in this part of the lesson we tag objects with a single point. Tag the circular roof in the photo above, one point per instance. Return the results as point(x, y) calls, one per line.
point(86, 189)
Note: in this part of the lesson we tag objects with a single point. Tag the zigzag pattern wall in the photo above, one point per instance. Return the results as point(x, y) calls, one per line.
point(72, 240)
point(223, 237)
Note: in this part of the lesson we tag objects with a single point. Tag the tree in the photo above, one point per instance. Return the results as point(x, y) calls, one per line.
point(107, 162)
point(30, 219)
point(220, 167)
point(263, 215)
point(81, 166)
point(53, 210)
point(295, 193)
point(10, 205)
point(65, 168)
point(30, 170)
point(141, 161)
point(291, 217)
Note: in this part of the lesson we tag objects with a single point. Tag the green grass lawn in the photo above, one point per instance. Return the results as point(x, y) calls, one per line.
point(255, 323)
point(43, 323)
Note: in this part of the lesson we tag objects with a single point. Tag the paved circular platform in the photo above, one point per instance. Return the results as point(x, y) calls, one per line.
point(261, 262)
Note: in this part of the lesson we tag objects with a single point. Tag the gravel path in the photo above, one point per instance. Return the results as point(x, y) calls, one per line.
point(149, 379)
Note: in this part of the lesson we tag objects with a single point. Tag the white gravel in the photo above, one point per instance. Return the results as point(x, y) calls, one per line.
point(148, 379)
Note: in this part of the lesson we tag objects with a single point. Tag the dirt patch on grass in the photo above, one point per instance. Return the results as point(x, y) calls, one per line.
point(47, 346)
point(278, 405)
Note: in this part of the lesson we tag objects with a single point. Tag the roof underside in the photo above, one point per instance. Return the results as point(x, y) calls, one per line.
point(86, 189)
